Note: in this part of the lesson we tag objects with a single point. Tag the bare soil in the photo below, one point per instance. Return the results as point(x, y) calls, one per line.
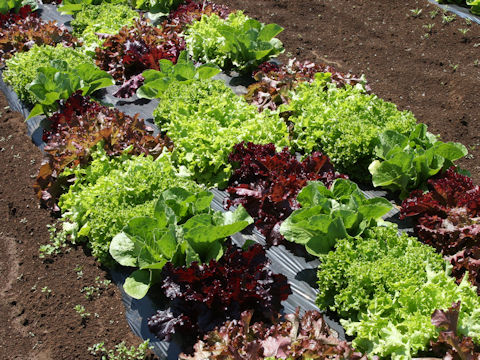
point(420, 63)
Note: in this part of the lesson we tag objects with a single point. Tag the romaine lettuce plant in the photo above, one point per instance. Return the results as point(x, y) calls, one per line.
point(344, 123)
point(182, 229)
point(160, 7)
point(60, 80)
point(24, 67)
point(267, 183)
point(205, 119)
point(205, 296)
point(408, 161)
point(156, 82)
point(328, 215)
point(238, 42)
point(110, 191)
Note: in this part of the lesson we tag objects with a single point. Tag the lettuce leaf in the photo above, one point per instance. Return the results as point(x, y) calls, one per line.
point(328, 215)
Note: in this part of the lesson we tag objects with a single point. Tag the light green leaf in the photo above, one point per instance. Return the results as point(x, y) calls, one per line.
point(207, 71)
point(37, 110)
point(323, 244)
point(124, 249)
point(138, 283)
point(269, 31)
point(450, 151)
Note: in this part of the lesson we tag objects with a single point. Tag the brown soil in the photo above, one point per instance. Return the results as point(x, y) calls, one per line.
point(434, 74)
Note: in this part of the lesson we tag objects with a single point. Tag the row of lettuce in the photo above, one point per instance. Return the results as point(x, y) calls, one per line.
point(140, 199)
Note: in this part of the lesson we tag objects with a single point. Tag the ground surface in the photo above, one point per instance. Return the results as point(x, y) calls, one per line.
point(433, 71)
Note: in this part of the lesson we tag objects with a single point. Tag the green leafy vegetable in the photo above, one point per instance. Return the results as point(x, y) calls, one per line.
point(72, 7)
point(159, 7)
point(343, 123)
point(109, 192)
point(23, 67)
point(184, 70)
point(205, 119)
point(329, 215)
point(105, 18)
point(387, 286)
point(238, 42)
point(182, 229)
point(408, 162)
point(59, 81)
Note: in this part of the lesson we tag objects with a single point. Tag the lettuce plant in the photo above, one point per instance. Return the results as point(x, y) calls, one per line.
point(205, 296)
point(60, 80)
point(305, 338)
point(267, 183)
point(447, 217)
point(406, 162)
point(155, 82)
point(328, 215)
point(474, 5)
point(191, 10)
point(205, 119)
point(17, 7)
point(160, 7)
point(386, 287)
point(274, 82)
point(344, 123)
point(451, 344)
point(104, 19)
point(137, 48)
point(73, 7)
point(182, 229)
point(24, 33)
point(238, 42)
point(23, 68)
point(110, 191)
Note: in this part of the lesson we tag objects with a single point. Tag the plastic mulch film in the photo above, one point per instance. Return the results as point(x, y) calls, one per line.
point(48, 12)
point(458, 10)
point(299, 267)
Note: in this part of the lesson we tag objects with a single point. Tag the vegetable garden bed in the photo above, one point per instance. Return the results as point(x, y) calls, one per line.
point(465, 44)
